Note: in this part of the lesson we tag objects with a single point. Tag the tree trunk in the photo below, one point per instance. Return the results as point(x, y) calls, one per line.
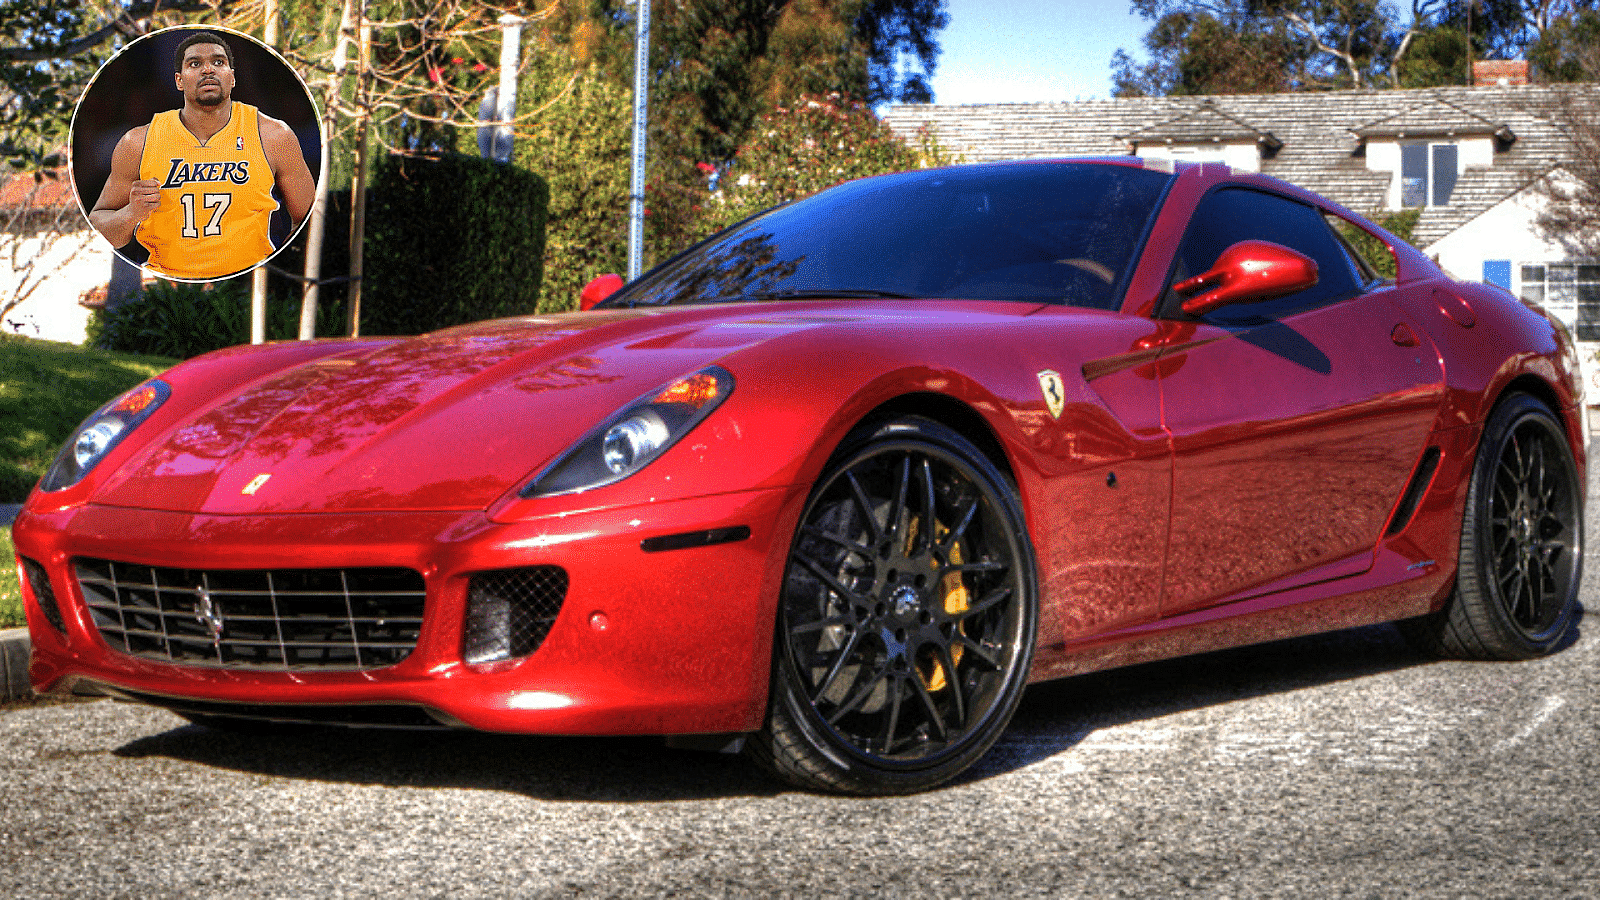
point(319, 210)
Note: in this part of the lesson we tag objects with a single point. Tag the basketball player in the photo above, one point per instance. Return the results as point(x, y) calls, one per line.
point(195, 185)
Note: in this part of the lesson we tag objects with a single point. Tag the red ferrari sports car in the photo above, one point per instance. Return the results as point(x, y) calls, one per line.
point(838, 482)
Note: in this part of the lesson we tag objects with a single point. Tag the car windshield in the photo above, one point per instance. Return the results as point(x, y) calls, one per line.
point(1062, 233)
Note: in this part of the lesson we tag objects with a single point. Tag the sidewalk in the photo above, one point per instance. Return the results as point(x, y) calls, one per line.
point(14, 649)
point(14, 644)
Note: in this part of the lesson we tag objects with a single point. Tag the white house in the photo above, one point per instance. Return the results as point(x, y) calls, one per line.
point(49, 259)
point(1469, 158)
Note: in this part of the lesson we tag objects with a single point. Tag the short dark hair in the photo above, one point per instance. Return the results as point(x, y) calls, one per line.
point(201, 37)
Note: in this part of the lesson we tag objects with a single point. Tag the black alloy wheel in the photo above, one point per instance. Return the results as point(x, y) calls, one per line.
point(1516, 593)
point(907, 618)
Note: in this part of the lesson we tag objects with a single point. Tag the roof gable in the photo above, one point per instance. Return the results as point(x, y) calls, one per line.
point(1204, 124)
point(1433, 117)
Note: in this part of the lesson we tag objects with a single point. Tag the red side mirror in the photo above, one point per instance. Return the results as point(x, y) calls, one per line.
point(599, 289)
point(1248, 272)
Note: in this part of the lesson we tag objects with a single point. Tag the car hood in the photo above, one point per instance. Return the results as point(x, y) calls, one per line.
point(449, 420)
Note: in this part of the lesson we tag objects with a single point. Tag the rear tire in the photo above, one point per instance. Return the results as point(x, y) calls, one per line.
point(906, 620)
point(1516, 593)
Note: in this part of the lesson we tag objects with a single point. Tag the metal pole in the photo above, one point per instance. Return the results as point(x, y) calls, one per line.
point(641, 121)
point(506, 97)
point(358, 180)
point(258, 278)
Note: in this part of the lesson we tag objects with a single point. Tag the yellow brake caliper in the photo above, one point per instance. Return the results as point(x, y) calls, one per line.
point(956, 601)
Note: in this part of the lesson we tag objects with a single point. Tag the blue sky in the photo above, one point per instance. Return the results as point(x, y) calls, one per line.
point(1027, 51)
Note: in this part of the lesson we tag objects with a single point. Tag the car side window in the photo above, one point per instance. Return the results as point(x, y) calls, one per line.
point(1230, 215)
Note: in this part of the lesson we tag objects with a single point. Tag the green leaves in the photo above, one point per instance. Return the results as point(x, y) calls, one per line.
point(799, 149)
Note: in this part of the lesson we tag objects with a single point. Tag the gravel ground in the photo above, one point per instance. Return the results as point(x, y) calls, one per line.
point(1338, 765)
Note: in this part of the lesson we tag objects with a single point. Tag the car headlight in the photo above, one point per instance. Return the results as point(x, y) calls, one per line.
point(102, 432)
point(631, 439)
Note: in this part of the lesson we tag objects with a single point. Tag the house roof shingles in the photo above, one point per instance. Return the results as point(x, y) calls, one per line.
point(1322, 135)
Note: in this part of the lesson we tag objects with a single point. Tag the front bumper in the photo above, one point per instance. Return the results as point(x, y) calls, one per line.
point(659, 641)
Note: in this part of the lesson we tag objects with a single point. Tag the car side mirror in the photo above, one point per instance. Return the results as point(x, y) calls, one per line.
point(1248, 272)
point(599, 289)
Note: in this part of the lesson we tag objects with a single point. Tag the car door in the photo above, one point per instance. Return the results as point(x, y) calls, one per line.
point(1295, 422)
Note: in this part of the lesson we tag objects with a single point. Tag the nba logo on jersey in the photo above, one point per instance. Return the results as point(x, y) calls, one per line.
point(238, 143)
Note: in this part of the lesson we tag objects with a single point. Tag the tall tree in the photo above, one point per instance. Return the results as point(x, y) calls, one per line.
point(1568, 48)
point(1233, 46)
point(720, 64)
point(1571, 48)
point(1209, 50)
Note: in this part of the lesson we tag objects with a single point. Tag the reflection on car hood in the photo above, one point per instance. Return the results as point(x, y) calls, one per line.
point(450, 420)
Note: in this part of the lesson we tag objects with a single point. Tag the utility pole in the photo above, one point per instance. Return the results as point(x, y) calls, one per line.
point(641, 122)
point(258, 278)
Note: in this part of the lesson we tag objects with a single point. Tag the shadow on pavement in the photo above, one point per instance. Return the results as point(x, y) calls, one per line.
point(1052, 718)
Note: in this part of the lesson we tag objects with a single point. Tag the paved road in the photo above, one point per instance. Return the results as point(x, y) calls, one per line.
point(1336, 765)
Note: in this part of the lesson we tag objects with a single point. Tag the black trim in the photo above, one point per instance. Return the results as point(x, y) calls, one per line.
point(374, 716)
point(695, 539)
point(1414, 491)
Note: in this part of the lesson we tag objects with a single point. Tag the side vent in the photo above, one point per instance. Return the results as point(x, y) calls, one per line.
point(1414, 491)
point(39, 584)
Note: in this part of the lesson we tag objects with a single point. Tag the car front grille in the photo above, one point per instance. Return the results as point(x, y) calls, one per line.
point(327, 619)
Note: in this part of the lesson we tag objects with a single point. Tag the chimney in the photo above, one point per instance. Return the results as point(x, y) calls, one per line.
point(1499, 72)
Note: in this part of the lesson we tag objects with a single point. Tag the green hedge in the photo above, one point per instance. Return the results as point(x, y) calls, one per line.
point(181, 320)
point(450, 240)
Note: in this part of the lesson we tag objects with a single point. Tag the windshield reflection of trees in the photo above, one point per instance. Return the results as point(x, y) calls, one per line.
point(735, 270)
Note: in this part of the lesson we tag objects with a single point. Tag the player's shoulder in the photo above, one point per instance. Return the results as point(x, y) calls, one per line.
point(275, 126)
point(132, 142)
point(135, 135)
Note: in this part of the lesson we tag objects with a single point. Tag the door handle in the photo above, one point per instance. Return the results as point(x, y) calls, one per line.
point(1403, 336)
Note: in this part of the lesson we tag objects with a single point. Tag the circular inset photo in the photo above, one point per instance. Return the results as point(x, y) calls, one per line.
point(195, 152)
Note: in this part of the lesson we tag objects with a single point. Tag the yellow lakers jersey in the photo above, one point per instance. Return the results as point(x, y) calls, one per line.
point(216, 197)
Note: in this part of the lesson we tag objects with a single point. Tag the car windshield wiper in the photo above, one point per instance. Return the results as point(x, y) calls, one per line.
point(828, 293)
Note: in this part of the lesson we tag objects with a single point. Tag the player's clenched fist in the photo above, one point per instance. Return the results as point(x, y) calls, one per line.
point(143, 198)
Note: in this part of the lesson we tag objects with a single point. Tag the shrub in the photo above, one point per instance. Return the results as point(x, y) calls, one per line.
point(816, 143)
point(182, 320)
point(451, 239)
point(580, 145)
point(1400, 224)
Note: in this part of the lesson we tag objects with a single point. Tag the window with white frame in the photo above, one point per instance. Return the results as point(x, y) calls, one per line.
point(1569, 291)
point(1428, 173)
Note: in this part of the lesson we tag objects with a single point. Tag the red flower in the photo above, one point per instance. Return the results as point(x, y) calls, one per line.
point(707, 168)
point(479, 67)
point(456, 60)
point(433, 73)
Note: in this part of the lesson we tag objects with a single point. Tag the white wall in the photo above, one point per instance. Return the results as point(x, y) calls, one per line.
point(1244, 156)
point(66, 267)
point(1506, 231)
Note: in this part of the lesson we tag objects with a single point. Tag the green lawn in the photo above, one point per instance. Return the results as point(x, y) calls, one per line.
point(10, 594)
point(46, 389)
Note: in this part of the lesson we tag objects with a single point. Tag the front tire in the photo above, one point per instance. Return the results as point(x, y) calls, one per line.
point(907, 617)
point(1516, 594)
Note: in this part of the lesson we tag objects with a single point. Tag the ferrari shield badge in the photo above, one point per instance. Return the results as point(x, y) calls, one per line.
point(1055, 391)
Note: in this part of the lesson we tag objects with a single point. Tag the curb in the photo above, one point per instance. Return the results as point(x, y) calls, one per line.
point(14, 648)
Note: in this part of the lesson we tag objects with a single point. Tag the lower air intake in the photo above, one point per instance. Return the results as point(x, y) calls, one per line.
point(510, 611)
